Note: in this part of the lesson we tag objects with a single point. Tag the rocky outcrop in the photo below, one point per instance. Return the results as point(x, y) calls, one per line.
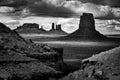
point(26, 71)
point(9, 38)
point(103, 66)
point(30, 28)
point(56, 30)
point(53, 26)
point(58, 27)
point(24, 59)
point(86, 29)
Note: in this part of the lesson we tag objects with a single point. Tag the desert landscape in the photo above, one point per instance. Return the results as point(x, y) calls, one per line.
point(59, 40)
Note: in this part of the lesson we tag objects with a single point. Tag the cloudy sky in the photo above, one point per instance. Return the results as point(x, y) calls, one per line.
point(66, 12)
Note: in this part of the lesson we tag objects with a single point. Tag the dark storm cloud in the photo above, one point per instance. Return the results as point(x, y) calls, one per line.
point(38, 7)
point(50, 8)
point(18, 5)
point(13, 3)
point(109, 16)
point(112, 3)
point(44, 9)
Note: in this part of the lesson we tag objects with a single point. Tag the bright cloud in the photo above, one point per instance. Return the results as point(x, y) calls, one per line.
point(5, 9)
point(99, 11)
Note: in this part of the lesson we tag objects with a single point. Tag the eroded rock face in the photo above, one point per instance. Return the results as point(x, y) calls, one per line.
point(86, 29)
point(103, 66)
point(24, 59)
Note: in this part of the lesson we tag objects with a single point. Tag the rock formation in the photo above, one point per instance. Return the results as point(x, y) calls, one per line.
point(10, 38)
point(42, 30)
point(86, 29)
point(103, 66)
point(23, 60)
point(56, 30)
point(58, 27)
point(53, 26)
point(30, 28)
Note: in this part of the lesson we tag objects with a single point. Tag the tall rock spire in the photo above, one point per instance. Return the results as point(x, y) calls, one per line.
point(87, 29)
point(53, 26)
point(87, 22)
point(58, 27)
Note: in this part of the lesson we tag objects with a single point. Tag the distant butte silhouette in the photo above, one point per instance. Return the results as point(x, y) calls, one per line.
point(56, 29)
point(86, 29)
point(30, 28)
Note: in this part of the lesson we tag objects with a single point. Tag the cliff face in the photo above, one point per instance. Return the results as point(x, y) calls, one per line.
point(16, 54)
point(87, 22)
point(86, 29)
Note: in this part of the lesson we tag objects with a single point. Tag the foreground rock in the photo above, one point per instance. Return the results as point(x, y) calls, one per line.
point(16, 66)
point(26, 71)
point(103, 66)
point(21, 59)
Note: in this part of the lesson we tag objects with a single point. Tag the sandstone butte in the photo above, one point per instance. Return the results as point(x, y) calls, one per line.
point(86, 30)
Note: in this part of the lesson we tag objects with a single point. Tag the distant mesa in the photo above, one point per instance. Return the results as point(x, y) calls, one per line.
point(86, 29)
point(30, 28)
